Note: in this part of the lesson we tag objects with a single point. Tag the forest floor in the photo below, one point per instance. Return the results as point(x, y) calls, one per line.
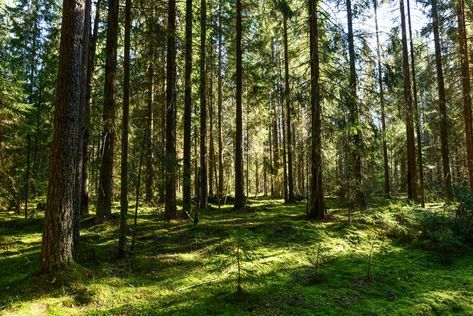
point(181, 269)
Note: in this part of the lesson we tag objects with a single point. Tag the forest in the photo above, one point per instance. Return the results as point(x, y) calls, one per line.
point(236, 157)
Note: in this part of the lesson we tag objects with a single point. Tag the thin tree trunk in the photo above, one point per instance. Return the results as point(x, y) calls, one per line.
point(354, 117)
point(170, 176)
point(149, 121)
point(416, 111)
point(186, 181)
point(203, 196)
point(447, 177)
point(104, 203)
point(219, 104)
point(125, 129)
point(287, 100)
point(411, 158)
point(466, 85)
point(387, 185)
point(57, 243)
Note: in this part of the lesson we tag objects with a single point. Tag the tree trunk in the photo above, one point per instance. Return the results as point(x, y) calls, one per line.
point(416, 112)
point(85, 150)
point(356, 145)
point(463, 45)
point(149, 121)
point(186, 181)
point(317, 204)
point(104, 203)
point(447, 177)
point(170, 175)
point(411, 158)
point(125, 129)
point(239, 181)
point(203, 196)
point(219, 104)
point(387, 184)
point(57, 242)
point(290, 179)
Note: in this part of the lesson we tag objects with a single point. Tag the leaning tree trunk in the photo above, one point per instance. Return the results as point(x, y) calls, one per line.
point(462, 38)
point(104, 202)
point(239, 181)
point(411, 158)
point(186, 181)
point(317, 204)
point(57, 243)
point(170, 160)
point(447, 177)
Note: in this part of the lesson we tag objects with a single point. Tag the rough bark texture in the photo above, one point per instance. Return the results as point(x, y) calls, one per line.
point(170, 174)
point(466, 85)
point(240, 199)
point(125, 129)
point(104, 203)
point(317, 205)
point(447, 177)
point(149, 123)
point(387, 183)
point(186, 181)
point(57, 243)
point(411, 158)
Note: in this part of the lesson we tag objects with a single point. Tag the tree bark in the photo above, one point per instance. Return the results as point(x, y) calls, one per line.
point(125, 130)
point(170, 175)
point(105, 194)
point(203, 196)
point(219, 105)
point(290, 179)
point(240, 199)
point(186, 181)
point(57, 242)
point(317, 205)
point(447, 177)
point(411, 159)
point(466, 86)
point(149, 121)
point(387, 183)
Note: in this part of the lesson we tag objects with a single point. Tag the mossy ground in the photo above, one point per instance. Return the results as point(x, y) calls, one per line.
point(181, 269)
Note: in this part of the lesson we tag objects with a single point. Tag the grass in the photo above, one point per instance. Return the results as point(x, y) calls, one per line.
point(181, 269)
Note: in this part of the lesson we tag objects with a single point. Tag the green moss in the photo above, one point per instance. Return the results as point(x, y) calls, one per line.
point(181, 269)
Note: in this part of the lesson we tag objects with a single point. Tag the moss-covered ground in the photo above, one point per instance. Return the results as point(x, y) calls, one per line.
point(181, 269)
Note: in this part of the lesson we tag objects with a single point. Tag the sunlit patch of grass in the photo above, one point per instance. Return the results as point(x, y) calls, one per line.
point(181, 269)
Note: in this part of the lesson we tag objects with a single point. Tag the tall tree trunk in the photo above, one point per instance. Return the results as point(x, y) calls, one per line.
point(411, 158)
point(170, 175)
point(85, 150)
point(125, 129)
point(317, 204)
point(240, 199)
point(104, 203)
point(219, 104)
point(57, 242)
point(186, 181)
point(387, 184)
point(149, 121)
point(356, 145)
point(211, 126)
point(290, 179)
point(447, 177)
point(203, 196)
point(416, 111)
point(81, 125)
point(466, 85)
